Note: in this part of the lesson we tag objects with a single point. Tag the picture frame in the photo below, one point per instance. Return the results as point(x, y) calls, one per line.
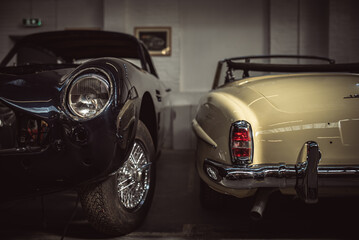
point(156, 39)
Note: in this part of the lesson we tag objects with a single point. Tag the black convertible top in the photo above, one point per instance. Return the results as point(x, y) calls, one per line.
point(235, 63)
point(81, 44)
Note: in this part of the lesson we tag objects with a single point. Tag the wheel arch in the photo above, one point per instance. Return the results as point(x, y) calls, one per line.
point(148, 116)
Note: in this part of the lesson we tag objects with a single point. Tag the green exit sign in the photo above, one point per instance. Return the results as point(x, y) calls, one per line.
point(31, 22)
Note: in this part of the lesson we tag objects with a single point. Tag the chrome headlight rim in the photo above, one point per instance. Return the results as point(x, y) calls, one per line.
point(87, 73)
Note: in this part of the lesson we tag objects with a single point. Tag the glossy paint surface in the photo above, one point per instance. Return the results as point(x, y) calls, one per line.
point(79, 150)
point(285, 111)
point(38, 93)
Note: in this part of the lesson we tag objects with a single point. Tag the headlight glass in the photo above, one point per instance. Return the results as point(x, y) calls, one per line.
point(88, 95)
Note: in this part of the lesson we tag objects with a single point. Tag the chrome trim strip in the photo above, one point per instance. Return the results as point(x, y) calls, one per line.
point(202, 134)
point(279, 175)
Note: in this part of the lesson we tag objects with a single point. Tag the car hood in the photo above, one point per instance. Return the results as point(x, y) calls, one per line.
point(36, 92)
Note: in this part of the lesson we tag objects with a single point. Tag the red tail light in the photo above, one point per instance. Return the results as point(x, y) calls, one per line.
point(241, 143)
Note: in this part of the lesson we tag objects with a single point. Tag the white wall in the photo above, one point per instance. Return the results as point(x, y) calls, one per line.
point(299, 27)
point(159, 13)
point(284, 27)
point(214, 30)
point(125, 15)
point(344, 30)
point(55, 15)
point(314, 27)
point(203, 32)
point(74, 14)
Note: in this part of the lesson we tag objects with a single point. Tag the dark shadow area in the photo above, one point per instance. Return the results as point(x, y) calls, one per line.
point(45, 218)
point(176, 213)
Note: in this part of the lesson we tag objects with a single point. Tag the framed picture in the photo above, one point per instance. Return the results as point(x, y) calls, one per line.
point(156, 39)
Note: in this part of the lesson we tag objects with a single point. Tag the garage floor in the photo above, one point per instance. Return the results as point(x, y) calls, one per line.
point(177, 214)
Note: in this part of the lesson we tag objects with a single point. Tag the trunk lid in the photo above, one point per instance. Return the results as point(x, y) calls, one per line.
point(305, 93)
point(316, 107)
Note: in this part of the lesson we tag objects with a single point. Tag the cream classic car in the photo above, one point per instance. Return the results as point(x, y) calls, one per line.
point(294, 129)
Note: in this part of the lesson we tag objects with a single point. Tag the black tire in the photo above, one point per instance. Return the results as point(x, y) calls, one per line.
point(105, 207)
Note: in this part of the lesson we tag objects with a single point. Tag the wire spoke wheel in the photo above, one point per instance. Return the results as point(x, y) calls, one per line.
point(119, 204)
point(133, 178)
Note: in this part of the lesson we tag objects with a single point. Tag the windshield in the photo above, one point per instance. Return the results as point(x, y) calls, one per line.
point(76, 47)
point(68, 46)
point(28, 56)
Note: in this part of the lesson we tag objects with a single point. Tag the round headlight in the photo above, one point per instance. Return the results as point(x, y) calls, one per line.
point(88, 95)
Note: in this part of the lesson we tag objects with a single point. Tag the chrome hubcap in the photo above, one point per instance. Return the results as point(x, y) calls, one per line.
point(133, 178)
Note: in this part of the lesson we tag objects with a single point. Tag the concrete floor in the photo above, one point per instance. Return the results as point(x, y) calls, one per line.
point(176, 213)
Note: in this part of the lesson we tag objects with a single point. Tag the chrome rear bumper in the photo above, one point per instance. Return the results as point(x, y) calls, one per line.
point(306, 176)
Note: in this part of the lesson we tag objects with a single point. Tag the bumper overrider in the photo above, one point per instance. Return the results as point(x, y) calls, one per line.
point(306, 176)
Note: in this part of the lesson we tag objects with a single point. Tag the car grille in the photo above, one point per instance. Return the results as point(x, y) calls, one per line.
point(20, 132)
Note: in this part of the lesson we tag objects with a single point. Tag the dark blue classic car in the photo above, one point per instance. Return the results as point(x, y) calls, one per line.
point(83, 109)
